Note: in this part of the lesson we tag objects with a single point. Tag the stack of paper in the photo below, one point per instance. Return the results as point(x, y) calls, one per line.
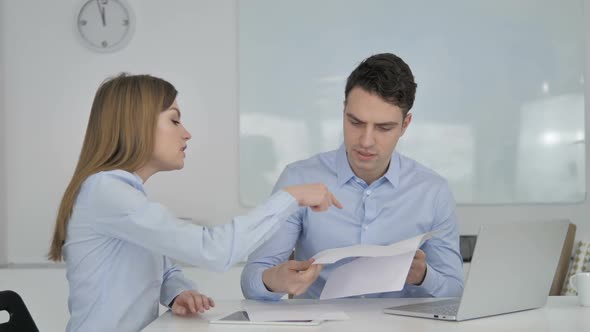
point(378, 269)
point(286, 311)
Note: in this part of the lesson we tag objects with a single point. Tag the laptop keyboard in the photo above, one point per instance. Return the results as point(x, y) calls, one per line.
point(443, 307)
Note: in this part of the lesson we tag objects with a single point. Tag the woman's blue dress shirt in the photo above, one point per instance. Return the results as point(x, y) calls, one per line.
point(118, 244)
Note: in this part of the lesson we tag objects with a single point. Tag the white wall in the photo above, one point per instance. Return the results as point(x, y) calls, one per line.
point(471, 216)
point(3, 219)
point(52, 82)
point(49, 85)
point(472, 83)
point(191, 43)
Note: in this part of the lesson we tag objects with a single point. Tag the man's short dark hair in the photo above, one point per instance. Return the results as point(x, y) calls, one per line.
point(387, 76)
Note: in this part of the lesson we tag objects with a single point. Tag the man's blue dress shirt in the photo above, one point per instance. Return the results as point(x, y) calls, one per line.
point(409, 199)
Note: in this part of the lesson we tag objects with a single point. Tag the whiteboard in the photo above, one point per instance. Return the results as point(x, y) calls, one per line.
point(499, 109)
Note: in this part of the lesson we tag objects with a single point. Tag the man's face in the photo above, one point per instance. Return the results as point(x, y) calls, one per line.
point(372, 128)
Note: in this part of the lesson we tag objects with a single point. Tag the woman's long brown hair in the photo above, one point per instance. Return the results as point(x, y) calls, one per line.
point(120, 135)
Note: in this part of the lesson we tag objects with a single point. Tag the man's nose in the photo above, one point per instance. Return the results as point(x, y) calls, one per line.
point(367, 137)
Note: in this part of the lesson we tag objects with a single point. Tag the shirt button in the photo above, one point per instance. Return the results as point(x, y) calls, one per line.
point(368, 192)
point(365, 227)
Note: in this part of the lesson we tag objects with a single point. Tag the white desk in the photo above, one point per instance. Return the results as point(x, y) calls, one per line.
point(561, 313)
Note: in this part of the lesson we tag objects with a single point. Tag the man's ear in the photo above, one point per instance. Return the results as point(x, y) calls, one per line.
point(406, 122)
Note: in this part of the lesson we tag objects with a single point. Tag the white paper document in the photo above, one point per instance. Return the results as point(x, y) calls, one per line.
point(378, 269)
point(285, 311)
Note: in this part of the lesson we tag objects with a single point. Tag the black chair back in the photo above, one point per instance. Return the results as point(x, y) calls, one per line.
point(20, 319)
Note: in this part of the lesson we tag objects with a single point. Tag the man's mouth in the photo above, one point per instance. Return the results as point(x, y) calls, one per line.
point(366, 153)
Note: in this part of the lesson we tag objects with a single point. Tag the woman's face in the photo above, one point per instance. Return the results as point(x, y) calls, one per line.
point(170, 141)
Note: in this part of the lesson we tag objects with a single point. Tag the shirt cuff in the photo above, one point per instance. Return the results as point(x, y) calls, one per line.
point(427, 287)
point(173, 287)
point(257, 290)
point(430, 283)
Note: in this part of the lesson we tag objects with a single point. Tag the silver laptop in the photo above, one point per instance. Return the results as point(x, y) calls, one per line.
point(511, 270)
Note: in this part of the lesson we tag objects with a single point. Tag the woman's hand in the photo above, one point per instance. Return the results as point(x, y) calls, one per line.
point(190, 302)
point(315, 195)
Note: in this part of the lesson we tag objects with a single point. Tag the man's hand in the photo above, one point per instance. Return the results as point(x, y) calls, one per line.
point(292, 277)
point(190, 302)
point(418, 269)
point(315, 195)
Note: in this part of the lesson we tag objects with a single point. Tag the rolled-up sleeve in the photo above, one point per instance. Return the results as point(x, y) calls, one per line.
point(173, 283)
point(444, 271)
point(133, 218)
point(275, 251)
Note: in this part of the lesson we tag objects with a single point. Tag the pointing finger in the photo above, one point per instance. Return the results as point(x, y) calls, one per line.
point(335, 201)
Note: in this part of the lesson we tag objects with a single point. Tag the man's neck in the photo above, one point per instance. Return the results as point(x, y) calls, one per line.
point(371, 177)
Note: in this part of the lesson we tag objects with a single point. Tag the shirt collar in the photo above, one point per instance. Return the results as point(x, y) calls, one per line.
point(343, 169)
point(395, 167)
point(345, 173)
point(138, 183)
point(131, 178)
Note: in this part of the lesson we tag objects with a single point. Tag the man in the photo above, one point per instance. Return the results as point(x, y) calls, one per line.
point(387, 197)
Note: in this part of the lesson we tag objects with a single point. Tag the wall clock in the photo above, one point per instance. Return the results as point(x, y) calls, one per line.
point(105, 25)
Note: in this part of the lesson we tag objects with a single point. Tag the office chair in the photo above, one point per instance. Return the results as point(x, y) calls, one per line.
point(20, 318)
point(561, 272)
point(291, 257)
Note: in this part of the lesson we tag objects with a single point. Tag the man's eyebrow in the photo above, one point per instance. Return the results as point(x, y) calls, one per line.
point(354, 117)
point(388, 123)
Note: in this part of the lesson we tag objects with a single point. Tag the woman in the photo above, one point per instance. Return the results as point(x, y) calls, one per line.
point(116, 242)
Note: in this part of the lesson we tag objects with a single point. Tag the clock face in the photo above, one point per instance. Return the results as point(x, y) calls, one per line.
point(105, 25)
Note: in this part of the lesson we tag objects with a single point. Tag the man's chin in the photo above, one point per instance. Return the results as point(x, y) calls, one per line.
point(365, 165)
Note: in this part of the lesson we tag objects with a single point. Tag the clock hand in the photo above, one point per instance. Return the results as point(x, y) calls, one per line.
point(102, 13)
